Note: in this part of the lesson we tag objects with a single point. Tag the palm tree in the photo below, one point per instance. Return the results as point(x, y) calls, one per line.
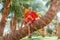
point(43, 21)
point(16, 8)
point(57, 27)
point(4, 16)
point(43, 32)
point(13, 23)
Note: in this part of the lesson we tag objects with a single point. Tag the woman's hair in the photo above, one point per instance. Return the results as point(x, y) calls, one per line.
point(30, 8)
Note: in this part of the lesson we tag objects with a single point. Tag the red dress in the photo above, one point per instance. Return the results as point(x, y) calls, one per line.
point(31, 16)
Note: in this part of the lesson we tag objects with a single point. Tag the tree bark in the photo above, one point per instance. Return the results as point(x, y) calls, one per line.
point(43, 21)
point(13, 23)
point(57, 27)
point(4, 16)
point(58, 31)
point(43, 32)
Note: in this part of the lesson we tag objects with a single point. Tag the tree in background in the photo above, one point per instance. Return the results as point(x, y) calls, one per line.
point(49, 30)
point(57, 27)
point(5, 13)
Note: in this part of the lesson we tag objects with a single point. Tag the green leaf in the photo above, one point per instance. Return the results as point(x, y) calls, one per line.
point(47, 4)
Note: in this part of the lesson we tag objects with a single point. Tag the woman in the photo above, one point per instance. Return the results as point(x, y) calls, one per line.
point(30, 16)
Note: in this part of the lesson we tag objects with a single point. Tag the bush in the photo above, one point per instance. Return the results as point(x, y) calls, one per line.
point(49, 31)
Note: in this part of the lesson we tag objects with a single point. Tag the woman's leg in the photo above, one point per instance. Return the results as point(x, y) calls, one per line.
point(29, 31)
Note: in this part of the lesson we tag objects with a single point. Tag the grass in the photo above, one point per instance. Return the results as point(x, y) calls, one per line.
point(41, 38)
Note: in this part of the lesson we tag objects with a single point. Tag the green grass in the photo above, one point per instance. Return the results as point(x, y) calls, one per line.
point(41, 38)
point(51, 38)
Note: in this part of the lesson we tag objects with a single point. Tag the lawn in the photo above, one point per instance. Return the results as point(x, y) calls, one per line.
point(41, 38)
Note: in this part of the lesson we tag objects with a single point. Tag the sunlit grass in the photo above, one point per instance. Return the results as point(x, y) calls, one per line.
point(41, 38)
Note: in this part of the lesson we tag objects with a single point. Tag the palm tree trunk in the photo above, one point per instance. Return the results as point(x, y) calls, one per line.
point(58, 30)
point(13, 23)
point(45, 20)
point(43, 32)
point(58, 27)
point(4, 16)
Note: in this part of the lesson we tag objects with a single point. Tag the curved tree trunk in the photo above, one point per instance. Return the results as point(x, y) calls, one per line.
point(4, 16)
point(45, 20)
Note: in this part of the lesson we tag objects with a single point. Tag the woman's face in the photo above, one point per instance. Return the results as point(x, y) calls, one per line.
point(30, 8)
